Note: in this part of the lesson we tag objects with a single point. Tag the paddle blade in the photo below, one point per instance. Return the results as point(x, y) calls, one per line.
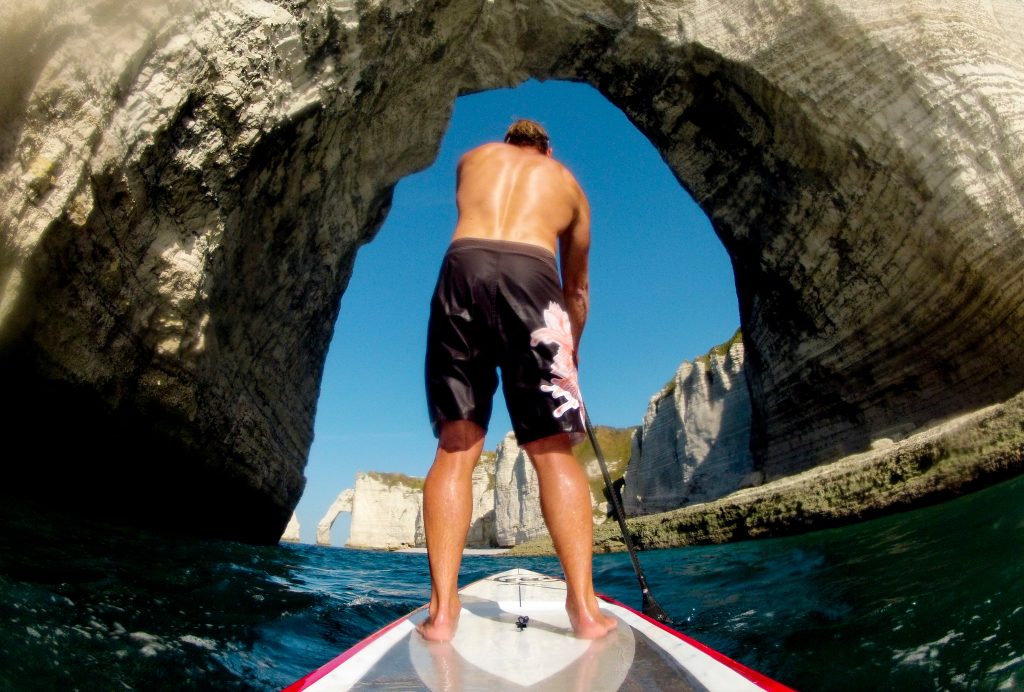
point(652, 610)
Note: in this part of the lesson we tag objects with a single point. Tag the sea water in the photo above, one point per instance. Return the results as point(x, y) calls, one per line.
point(926, 600)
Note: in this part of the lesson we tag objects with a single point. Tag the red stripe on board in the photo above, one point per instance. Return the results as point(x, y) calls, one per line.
point(755, 677)
point(307, 680)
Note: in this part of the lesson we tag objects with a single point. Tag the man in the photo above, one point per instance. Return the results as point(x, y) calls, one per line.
point(498, 303)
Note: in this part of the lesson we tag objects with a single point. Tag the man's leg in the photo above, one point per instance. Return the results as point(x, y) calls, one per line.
point(565, 503)
point(447, 508)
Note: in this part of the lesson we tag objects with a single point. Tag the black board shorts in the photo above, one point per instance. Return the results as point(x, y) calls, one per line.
point(499, 304)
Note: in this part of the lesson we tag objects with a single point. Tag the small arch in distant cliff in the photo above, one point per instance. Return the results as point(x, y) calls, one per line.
point(341, 505)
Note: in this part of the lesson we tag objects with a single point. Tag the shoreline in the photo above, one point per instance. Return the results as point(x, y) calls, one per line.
point(970, 452)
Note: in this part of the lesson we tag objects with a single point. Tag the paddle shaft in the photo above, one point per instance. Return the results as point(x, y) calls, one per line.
point(650, 605)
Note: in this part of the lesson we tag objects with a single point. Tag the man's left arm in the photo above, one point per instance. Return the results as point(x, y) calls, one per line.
point(574, 251)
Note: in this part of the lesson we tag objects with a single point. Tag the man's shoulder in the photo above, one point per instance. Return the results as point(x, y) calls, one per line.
point(483, 150)
point(570, 179)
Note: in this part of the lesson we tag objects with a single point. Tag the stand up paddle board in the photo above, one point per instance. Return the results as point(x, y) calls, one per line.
point(514, 633)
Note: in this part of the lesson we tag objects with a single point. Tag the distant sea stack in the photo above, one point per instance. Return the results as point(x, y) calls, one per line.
point(184, 186)
point(292, 532)
point(387, 511)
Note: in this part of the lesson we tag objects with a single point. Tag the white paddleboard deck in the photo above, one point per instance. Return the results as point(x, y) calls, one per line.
point(491, 651)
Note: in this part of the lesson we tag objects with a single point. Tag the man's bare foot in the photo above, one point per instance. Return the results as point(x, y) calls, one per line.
point(590, 622)
point(440, 625)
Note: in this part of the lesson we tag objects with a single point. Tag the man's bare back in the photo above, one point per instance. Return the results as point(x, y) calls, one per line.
point(507, 192)
point(518, 193)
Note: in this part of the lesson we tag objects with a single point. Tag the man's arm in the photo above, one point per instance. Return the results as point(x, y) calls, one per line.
point(574, 251)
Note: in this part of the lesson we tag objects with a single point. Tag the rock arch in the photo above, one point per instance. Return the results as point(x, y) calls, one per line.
point(342, 503)
point(185, 183)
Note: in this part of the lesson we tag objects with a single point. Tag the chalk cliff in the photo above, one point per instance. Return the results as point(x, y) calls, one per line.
point(387, 508)
point(517, 515)
point(517, 493)
point(694, 444)
point(292, 530)
point(387, 511)
point(482, 524)
point(184, 185)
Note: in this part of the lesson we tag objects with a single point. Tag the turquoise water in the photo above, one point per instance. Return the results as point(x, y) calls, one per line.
point(927, 600)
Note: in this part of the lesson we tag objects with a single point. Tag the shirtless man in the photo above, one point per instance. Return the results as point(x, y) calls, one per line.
point(499, 303)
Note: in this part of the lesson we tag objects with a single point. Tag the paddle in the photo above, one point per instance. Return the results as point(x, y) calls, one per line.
point(650, 606)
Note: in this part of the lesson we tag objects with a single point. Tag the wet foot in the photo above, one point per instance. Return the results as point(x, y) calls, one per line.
point(590, 623)
point(441, 624)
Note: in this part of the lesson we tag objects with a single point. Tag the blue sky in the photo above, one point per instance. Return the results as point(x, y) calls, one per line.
point(662, 290)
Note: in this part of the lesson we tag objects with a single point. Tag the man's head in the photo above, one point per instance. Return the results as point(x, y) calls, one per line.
point(527, 133)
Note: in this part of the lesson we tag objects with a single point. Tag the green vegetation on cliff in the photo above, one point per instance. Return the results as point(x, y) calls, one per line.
point(717, 351)
point(616, 444)
point(721, 349)
point(393, 479)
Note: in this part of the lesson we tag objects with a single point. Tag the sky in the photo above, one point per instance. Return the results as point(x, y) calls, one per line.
point(662, 291)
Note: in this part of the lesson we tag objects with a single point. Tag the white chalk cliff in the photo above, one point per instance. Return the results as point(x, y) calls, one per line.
point(292, 531)
point(694, 444)
point(517, 516)
point(387, 511)
point(517, 513)
point(482, 525)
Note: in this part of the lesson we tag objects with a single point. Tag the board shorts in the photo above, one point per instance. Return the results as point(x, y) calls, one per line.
point(499, 304)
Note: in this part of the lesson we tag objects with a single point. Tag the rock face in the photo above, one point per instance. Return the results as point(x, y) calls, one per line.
point(387, 511)
point(517, 515)
point(694, 444)
point(958, 456)
point(184, 185)
point(482, 526)
point(292, 532)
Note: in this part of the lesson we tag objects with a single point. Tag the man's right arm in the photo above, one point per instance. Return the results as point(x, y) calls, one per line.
point(574, 251)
